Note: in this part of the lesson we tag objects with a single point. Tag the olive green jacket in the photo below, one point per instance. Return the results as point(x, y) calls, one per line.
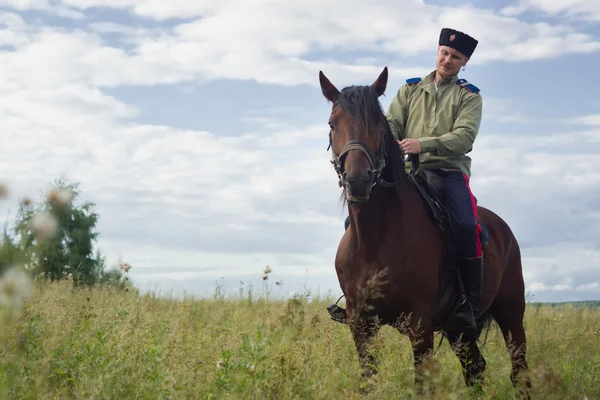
point(446, 122)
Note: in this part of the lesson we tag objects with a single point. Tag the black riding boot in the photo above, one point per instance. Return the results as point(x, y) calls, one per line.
point(471, 273)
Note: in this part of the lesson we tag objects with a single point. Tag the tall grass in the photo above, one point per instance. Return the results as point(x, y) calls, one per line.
point(106, 343)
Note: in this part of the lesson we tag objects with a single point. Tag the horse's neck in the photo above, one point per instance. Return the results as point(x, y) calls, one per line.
point(383, 215)
point(370, 221)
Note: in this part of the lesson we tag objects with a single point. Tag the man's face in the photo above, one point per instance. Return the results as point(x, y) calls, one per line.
point(449, 61)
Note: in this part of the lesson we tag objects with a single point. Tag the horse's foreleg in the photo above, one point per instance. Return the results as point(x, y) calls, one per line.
point(363, 331)
point(420, 333)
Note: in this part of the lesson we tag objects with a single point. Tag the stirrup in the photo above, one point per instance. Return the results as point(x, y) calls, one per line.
point(463, 320)
point(337, 313)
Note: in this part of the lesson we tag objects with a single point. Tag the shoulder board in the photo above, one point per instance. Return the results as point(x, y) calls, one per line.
point(412, 81)
point(467, 85)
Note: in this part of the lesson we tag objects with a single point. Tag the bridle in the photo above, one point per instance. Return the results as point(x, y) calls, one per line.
point(376, 163)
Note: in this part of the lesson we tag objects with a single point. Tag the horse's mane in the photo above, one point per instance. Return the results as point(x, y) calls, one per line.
point(362, 106)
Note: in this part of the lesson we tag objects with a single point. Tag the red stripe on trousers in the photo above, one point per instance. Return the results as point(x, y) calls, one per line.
point(477, 226)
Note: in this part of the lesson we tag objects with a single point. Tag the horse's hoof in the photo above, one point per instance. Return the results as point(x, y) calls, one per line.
point(337, 313)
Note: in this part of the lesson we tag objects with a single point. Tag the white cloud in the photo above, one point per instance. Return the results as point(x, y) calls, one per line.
point(503, 110)
point(275, 43)
point(12, 30)
point(592, 119)
point(26, 4)
point(539, 286)
point(43, 5)
point(192, 195)
point(545, 187)
point(591, 287)
point(155, 9)
point(577, 9)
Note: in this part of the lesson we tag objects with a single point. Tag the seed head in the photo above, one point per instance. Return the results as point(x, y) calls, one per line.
point(44, 225)
point(125, 267)
point(15, 286)
point(59, 197)
point(3, 191)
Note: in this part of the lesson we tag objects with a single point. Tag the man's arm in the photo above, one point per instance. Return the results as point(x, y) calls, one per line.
point(460, 139)
point(396, 114)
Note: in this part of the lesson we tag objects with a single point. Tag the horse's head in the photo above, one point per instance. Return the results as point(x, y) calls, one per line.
point(357, 128)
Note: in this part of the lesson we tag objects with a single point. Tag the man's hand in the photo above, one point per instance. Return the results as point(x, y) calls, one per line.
point(410, 146)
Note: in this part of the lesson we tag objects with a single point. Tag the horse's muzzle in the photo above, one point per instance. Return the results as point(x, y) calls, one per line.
point(358, 187)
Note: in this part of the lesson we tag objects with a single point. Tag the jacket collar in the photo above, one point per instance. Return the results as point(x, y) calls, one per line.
point(429, 84)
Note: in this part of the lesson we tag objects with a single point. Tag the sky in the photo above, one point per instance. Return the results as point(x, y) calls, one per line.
point(200, 131)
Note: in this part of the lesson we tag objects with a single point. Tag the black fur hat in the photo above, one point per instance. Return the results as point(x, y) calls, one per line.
point(458, 40)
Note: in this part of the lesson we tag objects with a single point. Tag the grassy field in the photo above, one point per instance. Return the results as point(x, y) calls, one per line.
point(110, 344)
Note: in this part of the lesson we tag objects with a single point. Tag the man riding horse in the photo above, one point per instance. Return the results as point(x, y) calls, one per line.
point(437, 118)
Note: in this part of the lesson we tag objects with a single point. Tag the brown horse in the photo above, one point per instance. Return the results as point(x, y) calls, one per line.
point(395, 261)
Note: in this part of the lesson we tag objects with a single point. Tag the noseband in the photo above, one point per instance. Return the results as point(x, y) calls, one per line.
point(376, 163)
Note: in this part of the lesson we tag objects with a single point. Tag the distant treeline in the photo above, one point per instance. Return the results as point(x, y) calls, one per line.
point(573, 304)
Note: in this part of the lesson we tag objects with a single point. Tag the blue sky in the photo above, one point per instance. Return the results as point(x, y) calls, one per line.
point(200, 130)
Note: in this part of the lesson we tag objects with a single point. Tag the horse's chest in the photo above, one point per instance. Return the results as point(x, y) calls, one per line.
point(358, 270)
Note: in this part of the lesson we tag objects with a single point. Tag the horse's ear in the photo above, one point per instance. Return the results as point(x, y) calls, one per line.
point(329, 91)
point(381, 82)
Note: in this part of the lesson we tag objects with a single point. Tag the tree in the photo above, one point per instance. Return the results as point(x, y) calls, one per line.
point(10, 254)
point(57, 235)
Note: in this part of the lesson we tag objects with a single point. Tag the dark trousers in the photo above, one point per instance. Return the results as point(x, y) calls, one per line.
point(462, 207)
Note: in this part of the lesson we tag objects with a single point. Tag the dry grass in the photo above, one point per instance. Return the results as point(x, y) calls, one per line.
point(110, 344)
